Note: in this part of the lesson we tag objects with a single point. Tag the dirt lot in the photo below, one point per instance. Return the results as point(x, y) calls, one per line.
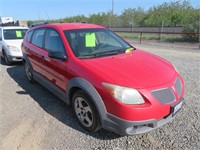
point(31, 118)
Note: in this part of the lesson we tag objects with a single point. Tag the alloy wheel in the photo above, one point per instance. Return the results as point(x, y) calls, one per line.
point(83, 112)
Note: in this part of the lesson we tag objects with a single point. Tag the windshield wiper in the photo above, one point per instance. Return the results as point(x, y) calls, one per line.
point(101, 54)
point(87, 56)
point(114, 52)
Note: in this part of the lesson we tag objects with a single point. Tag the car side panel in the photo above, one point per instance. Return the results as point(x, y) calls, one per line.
point(54, 70)
point(34, 54)
point(51, 87)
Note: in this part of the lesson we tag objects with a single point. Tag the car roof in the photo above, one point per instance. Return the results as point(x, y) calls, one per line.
point(71, 26)
point(14, 27)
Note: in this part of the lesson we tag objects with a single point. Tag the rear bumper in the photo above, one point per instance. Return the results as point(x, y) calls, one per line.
point(125, 127)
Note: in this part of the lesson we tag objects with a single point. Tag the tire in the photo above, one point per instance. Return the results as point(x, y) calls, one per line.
point(7, 60)
point(28, 70)
point(85, 111)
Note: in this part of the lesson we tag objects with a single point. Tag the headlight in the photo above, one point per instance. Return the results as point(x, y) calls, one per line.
point(13, 48)
point(124, 94)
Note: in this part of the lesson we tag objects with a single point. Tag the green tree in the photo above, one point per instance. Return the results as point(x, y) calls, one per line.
point(192, 25)
point(133, 17)
point(172, 14)
point(175, 13)
point(100, 18)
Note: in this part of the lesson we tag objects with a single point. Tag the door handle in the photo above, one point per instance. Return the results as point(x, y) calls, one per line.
point(27, 49)
point(42, 57)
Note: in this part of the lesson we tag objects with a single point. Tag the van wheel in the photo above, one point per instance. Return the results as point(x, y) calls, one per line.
point(28, 71)
point(85, 111)
point(7, 60)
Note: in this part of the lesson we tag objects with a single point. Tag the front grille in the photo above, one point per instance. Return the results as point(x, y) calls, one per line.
point(164, 95)
point(178, 87)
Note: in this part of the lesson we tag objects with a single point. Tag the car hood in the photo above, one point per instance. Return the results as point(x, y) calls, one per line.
point(137, 69)
point(16, 43)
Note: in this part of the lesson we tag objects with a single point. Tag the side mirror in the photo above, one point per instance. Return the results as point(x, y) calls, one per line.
point(57, 55)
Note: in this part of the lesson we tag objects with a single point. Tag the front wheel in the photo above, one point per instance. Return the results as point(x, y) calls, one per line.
point(85, 111)
point(8, 62)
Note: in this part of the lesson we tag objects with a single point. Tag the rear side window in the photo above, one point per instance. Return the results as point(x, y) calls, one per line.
point(38, 37)
point(29, 36)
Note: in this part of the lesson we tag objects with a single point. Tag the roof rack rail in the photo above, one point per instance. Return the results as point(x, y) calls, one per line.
point(78, 22)
point(37, 24)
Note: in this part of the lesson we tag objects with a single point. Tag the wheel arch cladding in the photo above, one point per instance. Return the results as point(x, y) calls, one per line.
point(79, 83)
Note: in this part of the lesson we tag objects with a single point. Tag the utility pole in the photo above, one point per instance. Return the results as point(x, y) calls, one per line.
point(112, 7)
point(112, 15)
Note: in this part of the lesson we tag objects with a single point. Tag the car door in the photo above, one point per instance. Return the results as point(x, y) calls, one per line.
point(54, 69)
point(35, 48)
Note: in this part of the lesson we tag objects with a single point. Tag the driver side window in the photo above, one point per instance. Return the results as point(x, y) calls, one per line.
point(53, 41)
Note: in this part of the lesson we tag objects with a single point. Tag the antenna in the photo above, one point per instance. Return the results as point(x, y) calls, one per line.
point(112, 7)
point(47, 14)
point(38, 13)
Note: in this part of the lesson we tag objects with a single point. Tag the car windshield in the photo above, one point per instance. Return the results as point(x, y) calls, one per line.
point(13, 34)
point(89, 43)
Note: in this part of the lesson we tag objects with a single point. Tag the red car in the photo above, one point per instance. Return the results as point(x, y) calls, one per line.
point(109, 83)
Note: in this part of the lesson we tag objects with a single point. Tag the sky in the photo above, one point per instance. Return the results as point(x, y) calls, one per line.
point(56, 9)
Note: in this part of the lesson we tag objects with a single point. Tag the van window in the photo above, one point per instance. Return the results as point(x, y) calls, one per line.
point(13, 34)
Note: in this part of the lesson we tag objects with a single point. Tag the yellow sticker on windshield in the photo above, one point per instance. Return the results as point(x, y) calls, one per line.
point(129, 50)
point(90, 40)
point(18, 33)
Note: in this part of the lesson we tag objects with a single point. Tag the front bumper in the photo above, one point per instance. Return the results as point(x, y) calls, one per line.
point(125, 127)
point(15, 58)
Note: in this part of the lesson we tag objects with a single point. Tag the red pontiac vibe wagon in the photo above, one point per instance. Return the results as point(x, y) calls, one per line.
point(109, 83)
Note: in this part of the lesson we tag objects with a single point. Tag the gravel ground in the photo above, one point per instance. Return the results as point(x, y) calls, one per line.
point(32, 118)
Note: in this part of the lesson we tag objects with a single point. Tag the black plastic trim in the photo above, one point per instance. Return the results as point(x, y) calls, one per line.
point(50, 86)
point(92, 92)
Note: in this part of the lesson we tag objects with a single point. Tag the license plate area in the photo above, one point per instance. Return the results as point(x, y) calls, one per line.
point(176, 108)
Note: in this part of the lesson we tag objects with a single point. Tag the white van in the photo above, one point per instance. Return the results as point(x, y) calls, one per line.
point(10, 43)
